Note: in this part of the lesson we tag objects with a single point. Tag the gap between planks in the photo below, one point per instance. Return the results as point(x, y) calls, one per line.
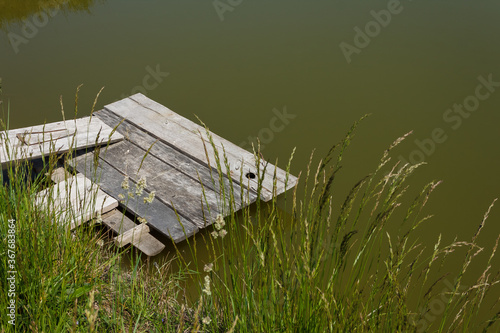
point(159, 216)
point(191, 139)
point(175, 159)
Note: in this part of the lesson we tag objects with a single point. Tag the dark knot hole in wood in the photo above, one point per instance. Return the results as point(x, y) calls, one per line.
point(250, 175)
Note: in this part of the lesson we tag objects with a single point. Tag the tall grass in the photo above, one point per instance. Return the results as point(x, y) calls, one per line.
point(74, 281)
point(318, 266)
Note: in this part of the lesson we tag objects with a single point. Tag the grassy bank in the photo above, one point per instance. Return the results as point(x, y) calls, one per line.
point(72, 281)
point(314, 263)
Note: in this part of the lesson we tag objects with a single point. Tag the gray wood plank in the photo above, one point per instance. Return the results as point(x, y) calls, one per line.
point(190, 142)
point(131, 235)
point(120, 223)
point(230, 147)
point(32, 138)
point(176, 159)
point(117, 221)
point(172, 187)
point(159, 216)
point(37, 141)
point(60, 174)
point(76, 199)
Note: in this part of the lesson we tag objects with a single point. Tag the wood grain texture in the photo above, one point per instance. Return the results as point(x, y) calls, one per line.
point(172, 187)
point(229, 147)
point(31, 138)
point(159, 215)
point(192, 139)
point(59, 137)
point(177, 160)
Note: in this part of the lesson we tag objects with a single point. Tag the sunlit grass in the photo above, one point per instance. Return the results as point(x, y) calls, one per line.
point(318, 266)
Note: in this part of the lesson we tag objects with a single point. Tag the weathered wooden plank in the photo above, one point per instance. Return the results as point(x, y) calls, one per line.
point(76, 200)
point(37, 141)
point(120, 223)
point(159, 216)
point(229, 147)
point(86, 203)
point(134, 234)
point(117, 221)
point(164, 126)
point(103, 203)
point(197, 171)
point(60, 174)
point(57, 196)
point(31, 137)
point(172, 187)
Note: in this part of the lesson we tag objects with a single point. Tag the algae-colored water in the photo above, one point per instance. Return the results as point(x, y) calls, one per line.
point(294, 73)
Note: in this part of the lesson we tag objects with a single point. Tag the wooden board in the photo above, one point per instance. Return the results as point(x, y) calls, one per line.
point(120, 223)
point(229, 147)
point(192, 140)
point(173, 158)
point(60, 174)
point(159, 215)
point(32, 138)
point(60, 137)
point(172, 187)
point(76, 200)
point(131, 235)
point(117, 221)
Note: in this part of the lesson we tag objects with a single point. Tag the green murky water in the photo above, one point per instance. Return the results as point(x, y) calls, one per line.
point(411, 64)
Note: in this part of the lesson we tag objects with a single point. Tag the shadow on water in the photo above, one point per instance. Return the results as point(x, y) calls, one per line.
point(14, 12)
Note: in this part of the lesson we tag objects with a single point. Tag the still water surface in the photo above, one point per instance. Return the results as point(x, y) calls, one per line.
point(411, 67)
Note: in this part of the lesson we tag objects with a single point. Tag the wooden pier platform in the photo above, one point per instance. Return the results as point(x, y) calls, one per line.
point(168, 157)
point(178, 161)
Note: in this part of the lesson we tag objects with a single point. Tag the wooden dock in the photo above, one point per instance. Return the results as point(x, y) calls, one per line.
point(168, 157)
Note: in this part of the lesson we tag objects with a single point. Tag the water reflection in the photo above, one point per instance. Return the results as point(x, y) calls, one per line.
point(37, 11)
